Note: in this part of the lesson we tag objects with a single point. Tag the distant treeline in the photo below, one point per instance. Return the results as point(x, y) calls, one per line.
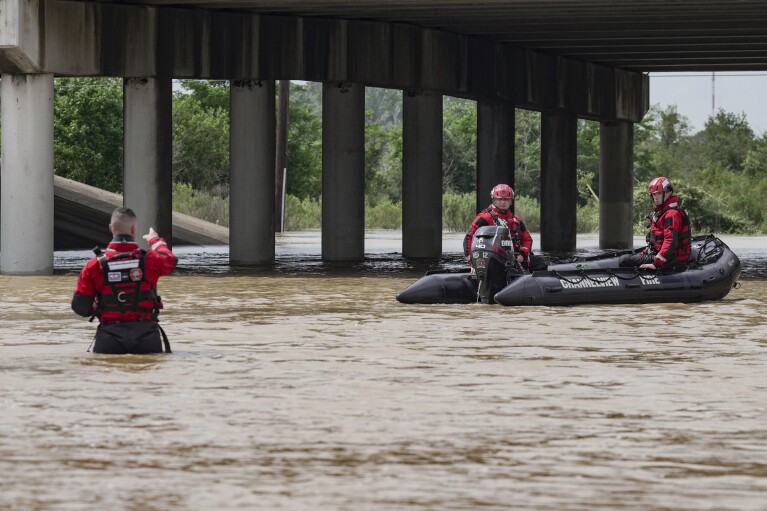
point(720, 171)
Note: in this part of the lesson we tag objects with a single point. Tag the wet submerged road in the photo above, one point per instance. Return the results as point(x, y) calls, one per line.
point(314, 389)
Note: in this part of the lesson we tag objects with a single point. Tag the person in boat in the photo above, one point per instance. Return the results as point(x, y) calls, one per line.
point(668, 242)
point(119, 286)
point(499, 213)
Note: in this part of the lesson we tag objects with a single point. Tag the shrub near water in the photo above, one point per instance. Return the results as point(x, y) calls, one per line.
point(384, 215)
point(707, 212)
point(306, 214)
point(202, 205)
point(301, 215)
point(457, 211)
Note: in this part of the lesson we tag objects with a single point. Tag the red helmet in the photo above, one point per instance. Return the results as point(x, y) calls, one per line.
point(502, 192)
point(660, 184)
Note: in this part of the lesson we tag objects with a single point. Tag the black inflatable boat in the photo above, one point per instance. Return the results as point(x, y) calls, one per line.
point(713, 269)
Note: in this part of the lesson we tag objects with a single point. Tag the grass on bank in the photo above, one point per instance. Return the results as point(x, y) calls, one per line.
point(306, 214)
point(707, 213)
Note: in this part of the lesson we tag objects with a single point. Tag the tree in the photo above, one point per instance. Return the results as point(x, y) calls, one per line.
point(201, 136)
point(88, 131)
point(304, 149)
point(527, 150)
point(209, 94)
point(726, 140)
point(673, 127)
point(384, 105)
point(383, 161)
point(459, 145)
point(587, 169)
point(662, 144)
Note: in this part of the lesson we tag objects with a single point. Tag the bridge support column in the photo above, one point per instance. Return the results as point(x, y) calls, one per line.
point(26, 193)
point(343, 172)
point(252, 153)
point(616, 191)
point(422, 175)
point(147, 168)
point(495, 148)
point(559, 190)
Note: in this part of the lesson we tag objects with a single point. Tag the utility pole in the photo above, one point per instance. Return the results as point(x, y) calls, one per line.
point(713, 93)
point(281, 160)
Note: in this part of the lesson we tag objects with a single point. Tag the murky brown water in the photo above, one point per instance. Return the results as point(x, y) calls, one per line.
point(323, 392)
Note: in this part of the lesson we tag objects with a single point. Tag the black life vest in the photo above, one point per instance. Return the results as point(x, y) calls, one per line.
point(125, 285)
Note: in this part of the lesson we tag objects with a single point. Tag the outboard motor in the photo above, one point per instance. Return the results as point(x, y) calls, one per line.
point(492, 257)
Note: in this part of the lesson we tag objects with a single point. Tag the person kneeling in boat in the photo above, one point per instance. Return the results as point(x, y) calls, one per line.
point(499, 213)
point(119, 286)
point(668, 242)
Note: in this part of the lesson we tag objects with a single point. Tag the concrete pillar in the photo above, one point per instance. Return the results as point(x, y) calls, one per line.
point(343, 172)
point(422, 175)
point(495, 148)
point(147, 167)
point(559, 190)
point(251, 179)
point(26, 196)
point(616, 190)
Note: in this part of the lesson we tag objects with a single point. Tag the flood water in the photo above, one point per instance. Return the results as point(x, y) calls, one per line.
point(308, 386)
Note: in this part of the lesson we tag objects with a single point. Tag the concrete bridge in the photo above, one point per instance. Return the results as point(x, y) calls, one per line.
point(82, 215)
point(569, 60)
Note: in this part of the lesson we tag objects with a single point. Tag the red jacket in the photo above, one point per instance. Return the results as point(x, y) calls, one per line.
point(669, 236)
point(120, 284)
point(523, 242)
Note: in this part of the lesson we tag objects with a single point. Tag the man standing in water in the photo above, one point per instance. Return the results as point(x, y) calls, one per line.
point(119, 287)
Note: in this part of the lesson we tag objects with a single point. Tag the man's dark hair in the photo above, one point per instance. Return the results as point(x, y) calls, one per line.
point(122, 219)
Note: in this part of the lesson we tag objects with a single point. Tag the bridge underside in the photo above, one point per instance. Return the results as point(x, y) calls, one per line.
point(502, 56)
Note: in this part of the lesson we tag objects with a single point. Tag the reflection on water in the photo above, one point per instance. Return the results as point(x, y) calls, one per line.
point(311, 387)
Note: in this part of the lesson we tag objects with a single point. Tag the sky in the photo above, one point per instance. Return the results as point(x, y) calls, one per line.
point(694, 94)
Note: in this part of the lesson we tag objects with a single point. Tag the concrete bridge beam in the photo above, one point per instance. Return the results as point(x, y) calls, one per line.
point(147, 168)
point(26, 195)
point(616, 190)
point(343, 171)
point(422, 175)
point(559, 190)
point(252, 161)
point(495, 147)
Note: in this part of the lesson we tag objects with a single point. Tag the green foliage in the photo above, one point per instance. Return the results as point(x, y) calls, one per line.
point(201, 139)
point(384, 105)
point(458, 211)
point(210, 94)
point(304, 147)
point(384, 215)
point(527, 148)
point(721, 171)
point(587, 168)
point(383, 162)
point(309, 93)
point(199, 204)
point(755, 164)
point(88, 131)
point(725, 141)
point(661, 143)
point(529, 210)
point(302, 214)
point(587, 217)
point(708, 212)
point(459, 145)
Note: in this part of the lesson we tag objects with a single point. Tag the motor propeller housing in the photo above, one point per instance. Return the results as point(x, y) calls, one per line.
point(492, 256)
